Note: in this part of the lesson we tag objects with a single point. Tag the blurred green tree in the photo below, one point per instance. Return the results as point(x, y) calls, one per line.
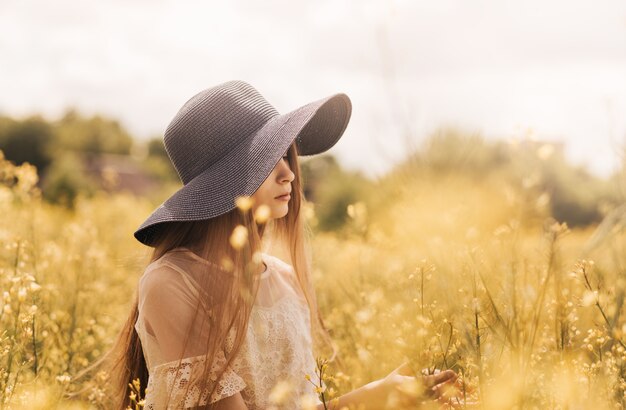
point(157, 163)
point(535, 166)
point(332, 189)
point(156, 148)
point(91, 135)
point(64, 180)
point(27, 140)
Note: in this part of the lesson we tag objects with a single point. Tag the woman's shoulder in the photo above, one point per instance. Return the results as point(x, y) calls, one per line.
point(278, 264)
point(285, 272)
point(159, 273)
point(182, 260)
point(182, 264)
point(175, 266)
point(178, 276)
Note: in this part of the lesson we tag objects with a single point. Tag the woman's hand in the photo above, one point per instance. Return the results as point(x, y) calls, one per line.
point(400, 389)
point(404, 389)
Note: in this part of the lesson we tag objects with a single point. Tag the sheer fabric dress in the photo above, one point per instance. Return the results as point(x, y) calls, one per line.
point(277, 347)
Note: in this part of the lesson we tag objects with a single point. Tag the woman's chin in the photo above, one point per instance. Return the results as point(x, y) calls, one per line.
point(281, 212)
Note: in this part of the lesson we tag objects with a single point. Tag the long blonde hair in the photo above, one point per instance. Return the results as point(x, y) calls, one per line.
point(231, 309)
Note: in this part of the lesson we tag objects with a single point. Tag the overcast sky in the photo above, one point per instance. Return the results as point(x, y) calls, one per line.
point(497, 67)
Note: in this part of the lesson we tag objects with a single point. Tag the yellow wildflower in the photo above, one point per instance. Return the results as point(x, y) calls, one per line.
point(262, 214)
point(244, 203)
point(239, 237)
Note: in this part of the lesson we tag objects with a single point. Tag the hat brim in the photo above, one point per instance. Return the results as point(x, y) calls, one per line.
point(315, 127)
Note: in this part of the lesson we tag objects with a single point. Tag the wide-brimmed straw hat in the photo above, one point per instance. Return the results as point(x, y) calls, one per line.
point(226, 140)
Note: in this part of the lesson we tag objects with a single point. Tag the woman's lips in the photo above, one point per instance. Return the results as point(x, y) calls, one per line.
point(284, 197)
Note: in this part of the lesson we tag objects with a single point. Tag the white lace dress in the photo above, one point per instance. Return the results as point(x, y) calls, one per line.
point(277, 347)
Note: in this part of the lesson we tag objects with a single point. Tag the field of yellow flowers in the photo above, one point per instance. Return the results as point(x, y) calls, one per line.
point(473, 277)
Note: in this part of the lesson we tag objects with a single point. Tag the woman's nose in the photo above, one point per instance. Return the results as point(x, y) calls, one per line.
point(285, 172)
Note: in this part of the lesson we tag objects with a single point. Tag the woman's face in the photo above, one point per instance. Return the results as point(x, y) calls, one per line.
point(276, 184)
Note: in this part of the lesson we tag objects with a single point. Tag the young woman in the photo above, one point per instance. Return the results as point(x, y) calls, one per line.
point(220, 319)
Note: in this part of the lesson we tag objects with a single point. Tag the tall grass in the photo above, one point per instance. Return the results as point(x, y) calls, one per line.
point(470, 275)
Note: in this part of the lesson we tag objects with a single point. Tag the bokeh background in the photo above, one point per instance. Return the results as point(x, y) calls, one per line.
point(477, 194)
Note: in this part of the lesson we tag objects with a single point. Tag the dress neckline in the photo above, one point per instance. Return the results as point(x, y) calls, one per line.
point(197, 257)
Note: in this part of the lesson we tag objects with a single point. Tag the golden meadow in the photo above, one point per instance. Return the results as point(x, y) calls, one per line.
point(452, 260)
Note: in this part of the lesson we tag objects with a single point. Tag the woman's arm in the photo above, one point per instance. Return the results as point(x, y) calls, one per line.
point(234, 402)
point(371, 395)
point(374, 395)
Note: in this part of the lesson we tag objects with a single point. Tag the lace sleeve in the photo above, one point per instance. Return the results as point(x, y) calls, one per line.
point(180, 382)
